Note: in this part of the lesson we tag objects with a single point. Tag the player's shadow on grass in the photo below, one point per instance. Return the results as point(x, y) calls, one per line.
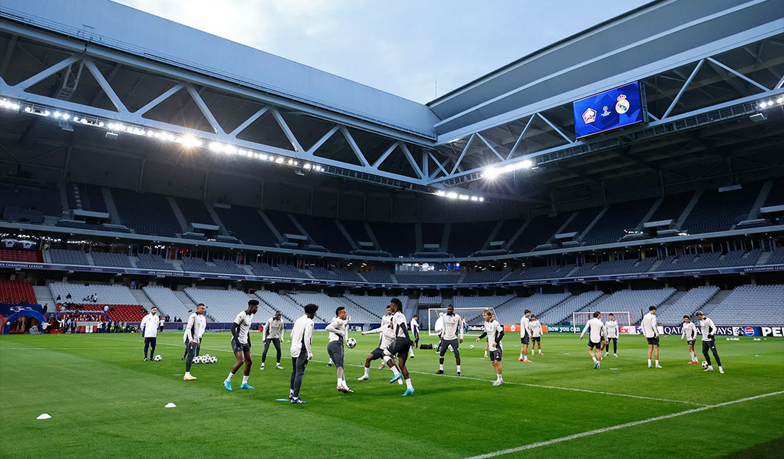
point(769, 450)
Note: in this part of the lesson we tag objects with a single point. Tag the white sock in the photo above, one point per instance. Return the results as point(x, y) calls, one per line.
point(521, 355)
point(340, 382)
point(394, 371)
point(649, 362)
point(231, 375)
point(400, 381)
point(458, 368)
point(485, 353)
point(367, 371)
point(245, 379)
point(657, 363)
point(330, 361)
point(594, 359)
point(408, 384)
point(187, 373)
point(441, 366)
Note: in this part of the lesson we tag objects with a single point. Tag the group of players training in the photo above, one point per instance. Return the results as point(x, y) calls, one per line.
point(600, 335)
point(396, 343)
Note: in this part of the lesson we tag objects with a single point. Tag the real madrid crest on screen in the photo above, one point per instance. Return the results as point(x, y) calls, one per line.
point(623, 105)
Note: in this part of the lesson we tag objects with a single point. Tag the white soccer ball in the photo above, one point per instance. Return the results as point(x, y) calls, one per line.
point(199, 359)
point(470, 346)
point(213, 359)
point(157, 358)
point(351, 343)
point(704, 364)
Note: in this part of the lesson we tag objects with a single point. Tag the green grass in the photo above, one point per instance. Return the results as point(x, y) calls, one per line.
point(106, 402)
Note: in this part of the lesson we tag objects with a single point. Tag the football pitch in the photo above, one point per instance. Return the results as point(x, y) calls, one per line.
point(106, 402)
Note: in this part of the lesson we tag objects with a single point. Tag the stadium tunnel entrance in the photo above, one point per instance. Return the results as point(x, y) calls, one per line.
point(22, 321)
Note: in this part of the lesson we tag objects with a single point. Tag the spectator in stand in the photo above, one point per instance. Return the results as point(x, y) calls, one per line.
point(133, 285)
point(68, 296)
point(106, 308)
point(46, 306)
point(58, 298)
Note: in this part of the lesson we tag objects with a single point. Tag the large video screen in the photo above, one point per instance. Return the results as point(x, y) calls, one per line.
point(608, 110)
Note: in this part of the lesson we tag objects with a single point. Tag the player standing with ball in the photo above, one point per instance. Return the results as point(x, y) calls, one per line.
point(338, 333)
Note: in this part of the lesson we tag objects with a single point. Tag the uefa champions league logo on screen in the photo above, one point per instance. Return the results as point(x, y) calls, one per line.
point(605, 112)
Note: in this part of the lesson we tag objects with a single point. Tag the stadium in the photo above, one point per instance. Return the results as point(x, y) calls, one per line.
point(636, 165)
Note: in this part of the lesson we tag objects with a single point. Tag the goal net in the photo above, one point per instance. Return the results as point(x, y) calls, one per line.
point(579, 319)
point(471, 317)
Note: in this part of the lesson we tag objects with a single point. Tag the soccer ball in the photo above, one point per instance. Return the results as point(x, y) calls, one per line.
point(213, 359)
point(157, 358)
point(351, 343)
point(199, 359)
point(704, 364)
point(470, 346)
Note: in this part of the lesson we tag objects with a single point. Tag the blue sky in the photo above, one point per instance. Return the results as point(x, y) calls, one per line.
point(400, 46)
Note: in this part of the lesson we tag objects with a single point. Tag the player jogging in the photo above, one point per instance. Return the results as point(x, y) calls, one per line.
point(240, 344)
point(536, 334)
point(651, 331)
point(194, 330)
point(494, 332)
point(689, 331)
point(525, 336)
point(273, 333)
point(301, 350)
point(387, 335)
point(452, 327)
point(149, 328)
point(414, 326)
point(399, 347)
point(596, 327)
point(708, 342)
point(611, 334)
point(338, 333)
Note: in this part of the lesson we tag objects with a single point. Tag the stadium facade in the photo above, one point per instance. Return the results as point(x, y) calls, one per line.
point(141, 150)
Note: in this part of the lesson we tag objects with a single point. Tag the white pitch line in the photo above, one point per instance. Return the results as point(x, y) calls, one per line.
point(570, 389)
point(619, 426)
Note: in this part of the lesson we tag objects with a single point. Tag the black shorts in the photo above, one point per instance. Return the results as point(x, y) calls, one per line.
point(377, 353)
point(400, 348)
point(653, 341)
point(495, 356)
point(239, 347)
point(691, 342)
point(708, 345)
point(593, 345)
point(335, 351)
point(524, 340)
point(536, 339)
point(455, 347)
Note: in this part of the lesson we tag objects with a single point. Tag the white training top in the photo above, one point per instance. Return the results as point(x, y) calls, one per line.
point(708, 328)
point(597, 329)
point(524, 322)
point(149, 325)
point(387, 335)
point(439, 326)
point(689, 331)
point(611, 328)
point(244, 320)
point(273, 329)
point(302, 333)
point(649, 326)
point(451, 326)
point(493, 329)
point(414, 326)
point(400, 325)
point(536, 328)
point(338, 329)
point(194, 330)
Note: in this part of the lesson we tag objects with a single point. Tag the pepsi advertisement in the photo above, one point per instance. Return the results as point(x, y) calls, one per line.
point(608, 110)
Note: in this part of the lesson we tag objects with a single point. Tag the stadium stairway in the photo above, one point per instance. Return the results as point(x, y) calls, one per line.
point(353, 304)
point(264, 312)
point(715, 301)
point(143, 299)
point(187, 301)
point(763, 258)
point(44, 296)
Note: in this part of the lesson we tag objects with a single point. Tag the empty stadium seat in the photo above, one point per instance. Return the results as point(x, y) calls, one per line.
point(693, 300)
point(106, 294)
point(146, 213)
point(111, 259)
point(511, 312)
point(222, 305)
point(761, 305)
point(68, 257)
point(16, 291)
point(149, 261)
point(167, 302)
point(26, 256)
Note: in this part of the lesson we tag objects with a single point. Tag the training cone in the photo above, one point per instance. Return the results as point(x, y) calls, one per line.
point(170, 405)
point(44, 416)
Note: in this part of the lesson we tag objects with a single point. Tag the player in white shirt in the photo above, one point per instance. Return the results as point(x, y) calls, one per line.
point(301, 350)
point(536, 334)
point(240, 344)
point(414, 327)
point(611, 330)
point(494, 332)
point(708, 342)
point(338, 333)
point(689, 331)
point(439, 329)
point(650, 329)
point(194, 331)
point(525, 336)
point(452, 328)
point(399, 347)
point(387, 336)
point(149, 329)
point(596, 328)
point(273, 333)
